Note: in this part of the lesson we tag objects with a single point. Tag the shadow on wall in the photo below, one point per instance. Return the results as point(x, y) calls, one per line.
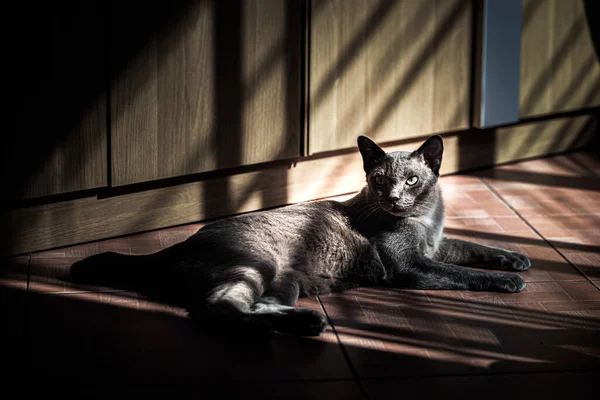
point(56, 90)
point(592, 14)
point(97, 50)
point(59, 71)
point(61, 80)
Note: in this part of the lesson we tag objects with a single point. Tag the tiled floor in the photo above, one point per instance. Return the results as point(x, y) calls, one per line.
point(543, 341)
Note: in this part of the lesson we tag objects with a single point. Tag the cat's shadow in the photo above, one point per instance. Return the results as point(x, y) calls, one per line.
point(234, 333)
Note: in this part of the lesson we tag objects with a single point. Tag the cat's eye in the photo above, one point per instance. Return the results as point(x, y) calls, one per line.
point(412, 180)
point(380, 180)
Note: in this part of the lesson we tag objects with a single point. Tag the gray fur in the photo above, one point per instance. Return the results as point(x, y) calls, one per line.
point(252, 268)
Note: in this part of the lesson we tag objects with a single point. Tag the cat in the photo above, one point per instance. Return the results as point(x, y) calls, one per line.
point(251, 269)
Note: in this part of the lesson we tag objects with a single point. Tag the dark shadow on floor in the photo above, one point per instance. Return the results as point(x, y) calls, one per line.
point(94, 336)
point(520, 240)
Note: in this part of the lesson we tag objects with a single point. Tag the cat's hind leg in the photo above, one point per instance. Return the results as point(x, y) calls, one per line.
point(228, 305)
point(249, 301)
point(277, 308)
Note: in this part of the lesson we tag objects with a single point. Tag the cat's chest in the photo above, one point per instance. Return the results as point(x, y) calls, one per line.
point(429, 229)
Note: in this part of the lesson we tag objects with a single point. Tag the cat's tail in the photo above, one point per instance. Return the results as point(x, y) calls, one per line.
point(119, 271)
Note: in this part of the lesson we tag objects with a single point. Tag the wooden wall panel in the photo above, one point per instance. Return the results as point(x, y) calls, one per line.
point(560, 69)
point(57, 102)
point(388, 69)
point(204, 85)
point(70, 222)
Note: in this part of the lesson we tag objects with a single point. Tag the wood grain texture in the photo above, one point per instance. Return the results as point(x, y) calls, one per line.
point(58, 143)
point(79, 162)
point(209, 86)
point(388, 69)
point(560, 69)
point(77, 221)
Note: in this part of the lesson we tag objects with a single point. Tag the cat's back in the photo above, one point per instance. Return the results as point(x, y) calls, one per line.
point(304, 234)
point(284, 223)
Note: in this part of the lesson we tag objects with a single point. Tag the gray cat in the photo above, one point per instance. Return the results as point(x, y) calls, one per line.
point(251, 269)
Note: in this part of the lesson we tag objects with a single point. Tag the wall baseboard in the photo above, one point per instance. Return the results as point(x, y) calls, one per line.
point(59, 224)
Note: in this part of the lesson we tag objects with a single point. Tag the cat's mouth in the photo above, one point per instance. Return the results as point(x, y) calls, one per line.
point(397, 210)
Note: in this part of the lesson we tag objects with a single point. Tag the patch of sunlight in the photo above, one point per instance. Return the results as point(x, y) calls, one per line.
point(435, 349)
point(13, 283)
point(588, 351)
point(330, 178)
point(251, 201)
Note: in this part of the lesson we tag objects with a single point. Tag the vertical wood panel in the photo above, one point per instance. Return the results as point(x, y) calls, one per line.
point(134, 110)
point(337, 69)
point(184, 108)
point(388, 69)
point(58, 144)
point(453, 56)
point(271, 76)
point(216, 85)
point(560, 70)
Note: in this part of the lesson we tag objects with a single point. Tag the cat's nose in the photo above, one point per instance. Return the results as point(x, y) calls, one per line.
point(394, 199)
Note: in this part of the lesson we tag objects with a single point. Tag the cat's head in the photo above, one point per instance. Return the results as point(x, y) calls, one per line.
point(403, 183)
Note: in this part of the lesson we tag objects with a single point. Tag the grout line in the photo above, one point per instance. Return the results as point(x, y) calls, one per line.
point(25, 323)
point(26, 301)
point(357, 379)
point(594, 284)
point(28, 271)
point(537, 232)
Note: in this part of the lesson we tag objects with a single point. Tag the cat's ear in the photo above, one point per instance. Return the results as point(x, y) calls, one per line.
point(432, 151)
point(372, 154)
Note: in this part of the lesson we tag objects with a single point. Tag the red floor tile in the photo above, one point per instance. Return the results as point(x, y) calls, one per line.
point(553, 291)
point(415, 333)
point(468, 197)
point(577, 237)
point(546, 187)
point(562, 204)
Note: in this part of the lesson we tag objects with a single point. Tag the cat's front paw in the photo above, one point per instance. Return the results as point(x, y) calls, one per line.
point(512, 261)
point(508, 283)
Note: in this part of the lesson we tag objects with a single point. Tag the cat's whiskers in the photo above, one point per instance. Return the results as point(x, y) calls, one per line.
point(373, 212)
point(367, 211)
